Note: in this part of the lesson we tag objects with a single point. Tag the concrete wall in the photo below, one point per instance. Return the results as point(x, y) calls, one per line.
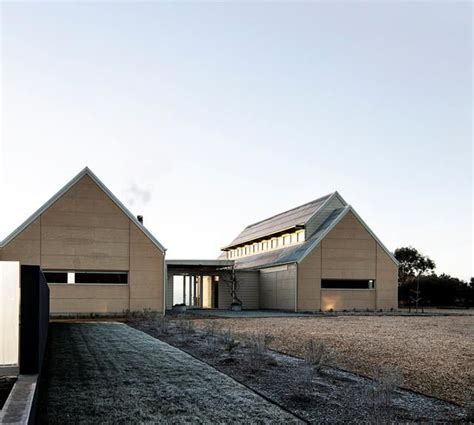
point(146, 277)
point(387, 281)
point(26, 247)
point(85, 230)
point(309, 281)
point(278, 287)
point(348, 251)
point(347, 299)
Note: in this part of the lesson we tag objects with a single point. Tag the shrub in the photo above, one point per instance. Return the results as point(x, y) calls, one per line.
point(380, 396)
point(229, 342)
point(315, 354)
point(185, 327)
point(470, 407)
point(212, 344)
point(163, 325)
point(211, 328)
point(257, 345)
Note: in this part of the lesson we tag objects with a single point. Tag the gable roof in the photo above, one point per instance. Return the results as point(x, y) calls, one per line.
point(286, 220)
point(290, 254)
point(296, 253)
point(85, 172)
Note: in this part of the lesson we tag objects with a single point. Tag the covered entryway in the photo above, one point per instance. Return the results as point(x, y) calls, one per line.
point(206, 284)
point(195, 283)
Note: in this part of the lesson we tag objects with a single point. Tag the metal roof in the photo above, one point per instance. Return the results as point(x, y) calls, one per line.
point(291, 254)
point(85, 172)
point(284, 221)
point(296, 253)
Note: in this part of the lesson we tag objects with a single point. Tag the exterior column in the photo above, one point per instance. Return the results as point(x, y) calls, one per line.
point(184, 289)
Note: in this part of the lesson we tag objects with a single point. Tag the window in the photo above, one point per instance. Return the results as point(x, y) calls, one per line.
point(265, 245)
point(104, 277)
point(347, 284)
point(56, 277)
point(85, 277)
point(286, 240)
point(300, 236)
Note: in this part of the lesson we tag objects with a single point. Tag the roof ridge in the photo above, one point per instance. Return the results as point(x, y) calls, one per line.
point(291, 209)
point(86, 171)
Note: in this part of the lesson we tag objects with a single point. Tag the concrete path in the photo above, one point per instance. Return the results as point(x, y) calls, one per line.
point(109, 372)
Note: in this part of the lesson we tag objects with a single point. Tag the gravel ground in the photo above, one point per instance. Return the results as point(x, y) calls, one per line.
point(110, 373)
point(434, 354)
point(326, 397)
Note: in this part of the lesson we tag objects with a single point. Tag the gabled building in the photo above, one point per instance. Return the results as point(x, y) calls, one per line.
point(99, 258)
point(318, 256)
point(96, 255)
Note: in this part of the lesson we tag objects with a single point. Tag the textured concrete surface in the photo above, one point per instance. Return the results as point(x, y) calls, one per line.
point(18, 405)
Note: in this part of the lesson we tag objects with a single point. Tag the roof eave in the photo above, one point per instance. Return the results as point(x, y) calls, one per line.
point(86, 171)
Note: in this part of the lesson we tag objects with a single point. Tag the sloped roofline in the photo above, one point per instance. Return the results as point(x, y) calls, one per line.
point(328, 198)
point(333, 195)
point(85, 172)
point(291, 209)
point(347, 209)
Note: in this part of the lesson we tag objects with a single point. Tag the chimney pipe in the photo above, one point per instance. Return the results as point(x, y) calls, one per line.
point(140, 219)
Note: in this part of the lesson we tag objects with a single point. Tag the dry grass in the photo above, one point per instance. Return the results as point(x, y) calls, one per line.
point(434, 354)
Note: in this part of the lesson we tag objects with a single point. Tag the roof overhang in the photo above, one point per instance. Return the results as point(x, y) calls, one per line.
point(217, 263)
point(197, 267)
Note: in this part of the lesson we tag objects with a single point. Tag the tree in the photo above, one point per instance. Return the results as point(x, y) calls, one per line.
point(412, 264)
point(438, 291)
point(229, 277)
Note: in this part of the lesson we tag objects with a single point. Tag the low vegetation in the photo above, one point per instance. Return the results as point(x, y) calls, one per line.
point(110, 373)
point(382, 393)
point(310, 387)
point(433, 353)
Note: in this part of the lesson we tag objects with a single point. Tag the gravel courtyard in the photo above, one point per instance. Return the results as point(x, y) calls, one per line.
point(109, 372)
point(434, 354)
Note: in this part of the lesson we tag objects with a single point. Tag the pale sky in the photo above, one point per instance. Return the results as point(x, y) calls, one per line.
point(206, 117)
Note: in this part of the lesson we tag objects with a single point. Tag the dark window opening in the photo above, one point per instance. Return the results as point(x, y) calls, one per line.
point(56, 277)
point(96, 277)
point(347, 284)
